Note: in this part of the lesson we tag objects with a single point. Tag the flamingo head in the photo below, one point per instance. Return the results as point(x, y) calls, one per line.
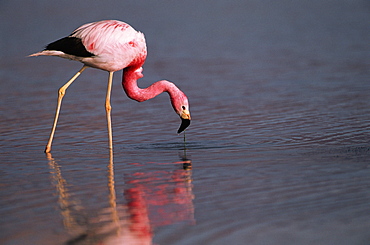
point(181, 106)
point(185, 119)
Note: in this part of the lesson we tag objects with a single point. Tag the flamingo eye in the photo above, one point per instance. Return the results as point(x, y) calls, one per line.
point(183, 107)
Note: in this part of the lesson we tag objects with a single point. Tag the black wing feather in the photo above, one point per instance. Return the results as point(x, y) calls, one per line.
point(70, 45)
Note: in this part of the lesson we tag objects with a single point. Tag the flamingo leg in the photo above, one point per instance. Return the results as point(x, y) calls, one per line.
point(61, 93)
point(108, 110)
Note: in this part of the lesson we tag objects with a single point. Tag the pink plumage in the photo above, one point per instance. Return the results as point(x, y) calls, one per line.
point(113, 45)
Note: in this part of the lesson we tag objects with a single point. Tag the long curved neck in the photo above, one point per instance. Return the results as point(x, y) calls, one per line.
point(129, 83)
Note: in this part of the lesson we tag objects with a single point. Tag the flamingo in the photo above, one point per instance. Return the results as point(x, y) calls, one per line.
point(113, 45)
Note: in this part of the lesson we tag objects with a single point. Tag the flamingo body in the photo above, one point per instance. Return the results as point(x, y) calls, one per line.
point(112, 45)
point(107, 45)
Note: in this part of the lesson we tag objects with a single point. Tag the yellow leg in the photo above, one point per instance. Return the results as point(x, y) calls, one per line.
point(108, 109)
point(61, 93)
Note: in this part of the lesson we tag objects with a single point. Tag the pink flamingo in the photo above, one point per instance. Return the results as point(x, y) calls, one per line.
point(112, 45)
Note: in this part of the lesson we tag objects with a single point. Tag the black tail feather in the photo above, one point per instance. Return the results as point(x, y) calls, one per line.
point(70, 45)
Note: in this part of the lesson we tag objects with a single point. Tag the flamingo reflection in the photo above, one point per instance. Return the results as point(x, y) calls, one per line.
point(152, 199)
point(159, 198)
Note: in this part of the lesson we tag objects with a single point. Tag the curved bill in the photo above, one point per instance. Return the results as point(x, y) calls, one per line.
point(184, 124)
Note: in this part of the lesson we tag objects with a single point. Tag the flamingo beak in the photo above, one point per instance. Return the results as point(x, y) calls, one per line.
point(185, 120)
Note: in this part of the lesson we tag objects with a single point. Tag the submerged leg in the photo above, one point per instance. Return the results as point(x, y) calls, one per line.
point(108, 109)
point(61, 93)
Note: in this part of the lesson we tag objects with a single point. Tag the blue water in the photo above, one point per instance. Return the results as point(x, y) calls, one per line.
point(277, 153)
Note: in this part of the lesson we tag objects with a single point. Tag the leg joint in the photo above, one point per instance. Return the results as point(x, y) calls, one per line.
point(62, 91)
point(108, 107)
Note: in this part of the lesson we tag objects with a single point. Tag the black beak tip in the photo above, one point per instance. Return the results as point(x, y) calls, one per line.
point(184, 124)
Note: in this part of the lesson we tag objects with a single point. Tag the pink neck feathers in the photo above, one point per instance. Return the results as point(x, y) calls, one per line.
point(129, 83)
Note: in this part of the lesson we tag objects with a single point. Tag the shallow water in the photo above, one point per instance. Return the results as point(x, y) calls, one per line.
point(277, 152)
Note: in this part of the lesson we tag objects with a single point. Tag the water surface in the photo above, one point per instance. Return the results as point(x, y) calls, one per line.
point(277, 152)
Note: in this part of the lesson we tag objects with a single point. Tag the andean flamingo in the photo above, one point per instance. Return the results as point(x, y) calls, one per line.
point(112, 45)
